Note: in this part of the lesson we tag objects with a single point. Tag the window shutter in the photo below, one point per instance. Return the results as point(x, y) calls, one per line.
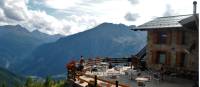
point(178, 55)
point(153, 59)
point(155, 37)
point(178, 38)
point(169, 38)
point(168, 58)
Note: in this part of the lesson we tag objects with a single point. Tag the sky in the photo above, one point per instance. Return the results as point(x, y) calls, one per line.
point(68, 17)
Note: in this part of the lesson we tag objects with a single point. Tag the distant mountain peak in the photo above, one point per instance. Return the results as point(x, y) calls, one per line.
point(18, 26)
point(35, 31)
point(110, 24)
point(15, 28)
point(39, 32)
point(106, 23)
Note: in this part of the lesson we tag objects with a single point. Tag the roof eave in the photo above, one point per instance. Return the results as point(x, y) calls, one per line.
point(161, 28)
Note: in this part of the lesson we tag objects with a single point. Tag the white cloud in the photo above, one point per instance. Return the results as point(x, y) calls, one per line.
point(16, 12)
point(131, 16)
point(2, 16)
point(74, 16)
point(12, 11)
point(15, 9)
point(61, 4)
point(169, 11)
point(133, 1)
point(45, 23)
point(181, 7)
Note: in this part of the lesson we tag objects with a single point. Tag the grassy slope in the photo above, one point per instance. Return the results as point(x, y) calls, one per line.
point(10, 78)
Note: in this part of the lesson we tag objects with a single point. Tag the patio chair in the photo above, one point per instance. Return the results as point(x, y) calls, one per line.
point(140, 84)
point(173, 76)
point(156, 76)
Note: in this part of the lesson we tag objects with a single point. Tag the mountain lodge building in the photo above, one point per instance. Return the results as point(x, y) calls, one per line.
point(173, 42)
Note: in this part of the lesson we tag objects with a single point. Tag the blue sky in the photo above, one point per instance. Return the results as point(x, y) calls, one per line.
point(72, 16)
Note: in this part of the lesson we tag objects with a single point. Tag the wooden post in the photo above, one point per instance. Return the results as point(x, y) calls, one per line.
point(95, 81)
point(116, 83)
point(74, 75)
point(68, 74)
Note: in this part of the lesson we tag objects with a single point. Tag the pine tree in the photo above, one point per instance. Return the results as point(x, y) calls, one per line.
point(17, 84)
point(48, 82)
point(3, 84)
point(64, 84)
point(29, 82)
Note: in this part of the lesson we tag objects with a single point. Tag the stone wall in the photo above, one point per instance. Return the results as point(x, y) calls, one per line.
point(174, 48)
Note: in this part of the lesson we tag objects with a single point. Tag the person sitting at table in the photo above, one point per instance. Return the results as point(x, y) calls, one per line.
point(162, 71)
point(110, 65)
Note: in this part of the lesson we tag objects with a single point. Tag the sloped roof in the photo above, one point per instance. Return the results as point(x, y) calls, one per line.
point(191, 22)
point(163, 22)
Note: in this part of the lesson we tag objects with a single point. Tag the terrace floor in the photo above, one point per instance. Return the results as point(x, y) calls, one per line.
point(123, 77)
point(128, 77)
point(167, 82)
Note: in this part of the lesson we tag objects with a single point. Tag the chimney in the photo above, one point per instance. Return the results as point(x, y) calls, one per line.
point(194, 7)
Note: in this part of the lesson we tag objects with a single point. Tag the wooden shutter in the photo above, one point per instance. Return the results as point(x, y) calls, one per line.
point(153, 58)
point(178, 55)
point(178, 38)
point(155, 37)
point(169, 38)
point(168, 58)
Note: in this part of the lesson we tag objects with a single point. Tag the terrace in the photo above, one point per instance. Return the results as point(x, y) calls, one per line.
point(122, 74)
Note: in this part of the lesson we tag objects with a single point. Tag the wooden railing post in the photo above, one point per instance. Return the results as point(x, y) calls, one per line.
point(116, 83)
point(68, 74)
point(74, 75)
point(95, 81)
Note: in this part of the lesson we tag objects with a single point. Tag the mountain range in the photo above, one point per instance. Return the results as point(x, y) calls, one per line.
point(39, 54)
point(104, 40)
point(16, 42)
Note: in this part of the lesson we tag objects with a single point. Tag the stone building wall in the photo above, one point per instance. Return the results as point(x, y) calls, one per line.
point(174, 48)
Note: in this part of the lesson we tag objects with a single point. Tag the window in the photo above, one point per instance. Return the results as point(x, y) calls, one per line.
point(161, 57)
point(162, 37)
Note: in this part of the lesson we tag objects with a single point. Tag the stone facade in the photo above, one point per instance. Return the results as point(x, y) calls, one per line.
point(178, 49)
